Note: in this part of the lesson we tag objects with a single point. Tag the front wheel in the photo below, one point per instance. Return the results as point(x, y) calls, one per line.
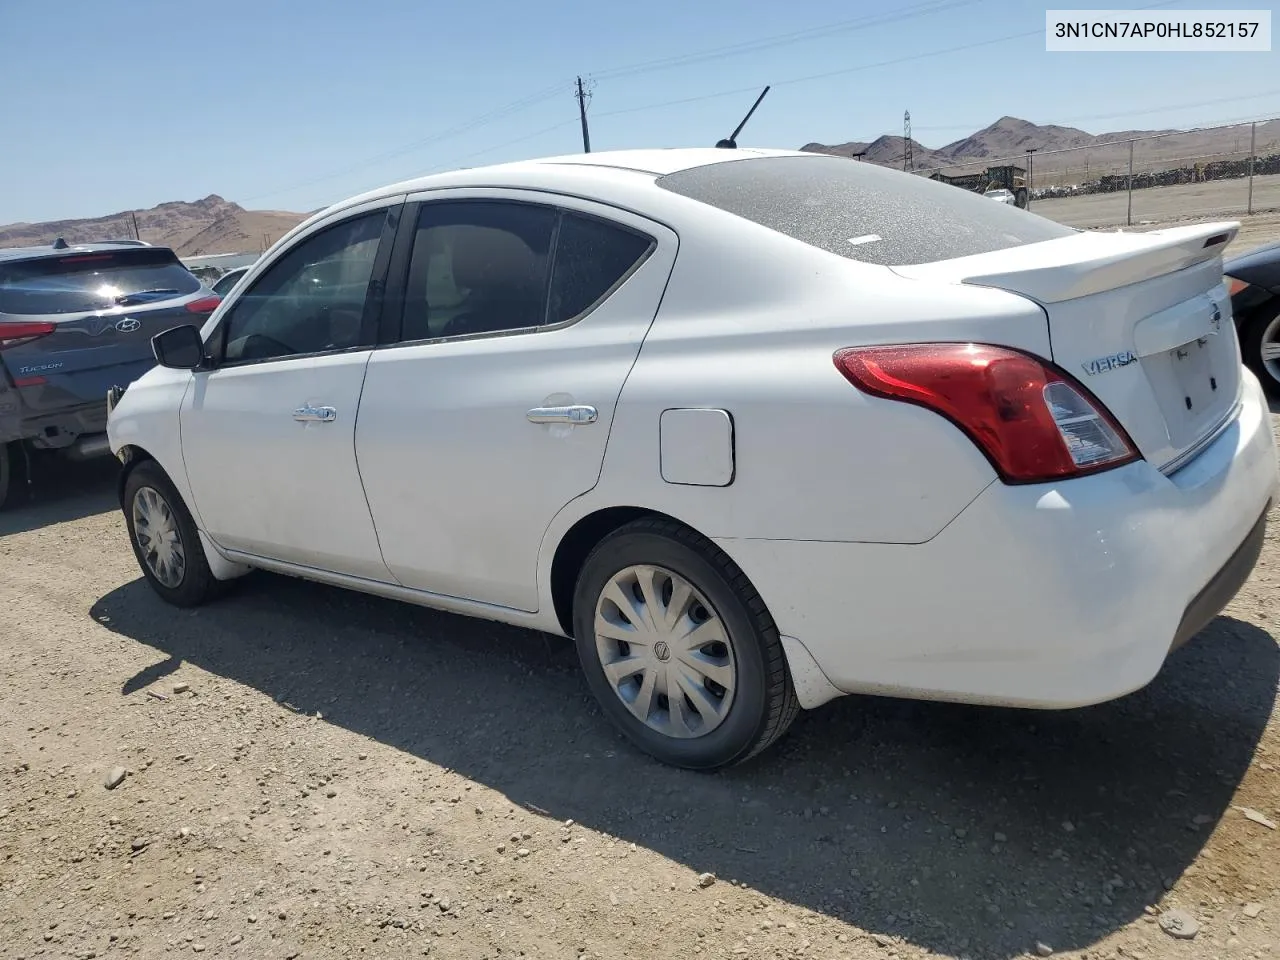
point(1260, 345)
point(164, 538)
point(679, 649)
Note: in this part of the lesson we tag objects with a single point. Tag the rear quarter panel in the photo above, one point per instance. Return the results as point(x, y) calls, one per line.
point(749, 324)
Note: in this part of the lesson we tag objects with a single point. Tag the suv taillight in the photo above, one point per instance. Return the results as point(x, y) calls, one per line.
point(1033, 422)
point(16, 334)
point(204, 305)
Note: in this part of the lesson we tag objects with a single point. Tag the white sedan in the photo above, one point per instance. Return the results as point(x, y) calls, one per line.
point(756, 428)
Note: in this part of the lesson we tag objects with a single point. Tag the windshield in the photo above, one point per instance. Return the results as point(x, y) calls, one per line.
point(861, 210)
point(82, 282)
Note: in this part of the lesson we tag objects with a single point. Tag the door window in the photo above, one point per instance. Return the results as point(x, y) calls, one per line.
point(311, 300)
point(477, 267)
point(592, 258)
point(483, 266)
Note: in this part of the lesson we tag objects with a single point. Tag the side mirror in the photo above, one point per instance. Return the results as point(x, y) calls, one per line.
point(180, 348)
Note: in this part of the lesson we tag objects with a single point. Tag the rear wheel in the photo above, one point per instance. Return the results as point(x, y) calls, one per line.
point(1020, 197)
point(6, 471)
point(679, 649)
point(164, 538)
point(1260, 345)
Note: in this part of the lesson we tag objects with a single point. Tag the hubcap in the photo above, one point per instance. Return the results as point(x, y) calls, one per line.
point(155, 529)
point(665, 651)
point(1271, 349)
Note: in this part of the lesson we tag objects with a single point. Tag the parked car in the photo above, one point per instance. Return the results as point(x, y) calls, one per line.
point(74, 320)
point(1002, 196)
point(1253, 280)
point(222, 286)
point(756, 428)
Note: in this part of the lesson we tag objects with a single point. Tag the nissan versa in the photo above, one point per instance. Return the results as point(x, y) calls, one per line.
point(755, 428)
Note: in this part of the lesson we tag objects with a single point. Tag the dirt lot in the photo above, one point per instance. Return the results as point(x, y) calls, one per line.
point(311, 773)
point(1221, 199)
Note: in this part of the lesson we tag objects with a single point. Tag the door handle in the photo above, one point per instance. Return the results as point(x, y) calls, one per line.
point(578, 413)
point(310, 413)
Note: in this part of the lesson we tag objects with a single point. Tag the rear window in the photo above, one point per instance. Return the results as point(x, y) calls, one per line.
point(81, 282)
point(861, 210)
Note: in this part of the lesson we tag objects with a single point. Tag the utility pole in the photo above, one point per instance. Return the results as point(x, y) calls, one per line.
point(1031, 173)
point(582, 114)
point(907, 161)
point(136, 234)
point(1253, 152)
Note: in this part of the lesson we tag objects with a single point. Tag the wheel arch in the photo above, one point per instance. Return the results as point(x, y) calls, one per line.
point(132, 456)
point(577, 543)
point(811, 684)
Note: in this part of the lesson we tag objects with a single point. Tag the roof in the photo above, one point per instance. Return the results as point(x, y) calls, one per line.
point(11, 254)
point(613, 166)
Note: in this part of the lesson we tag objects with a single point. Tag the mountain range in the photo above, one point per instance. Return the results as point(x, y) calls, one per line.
point(210, 225)
point(1009, 138)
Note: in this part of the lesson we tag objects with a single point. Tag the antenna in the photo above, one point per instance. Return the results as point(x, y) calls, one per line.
point(732, 142)
point(907, 160)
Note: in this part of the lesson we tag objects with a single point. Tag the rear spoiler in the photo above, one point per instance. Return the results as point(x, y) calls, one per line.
point(1084, 263)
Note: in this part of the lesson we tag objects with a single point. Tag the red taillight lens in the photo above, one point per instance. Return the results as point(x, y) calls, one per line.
point(1234, 286)
point(1033, 423)
point(14, 334)
point(204, 305)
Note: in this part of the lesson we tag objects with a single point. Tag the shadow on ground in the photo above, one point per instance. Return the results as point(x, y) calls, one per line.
point(60, 491)
point(945, 825)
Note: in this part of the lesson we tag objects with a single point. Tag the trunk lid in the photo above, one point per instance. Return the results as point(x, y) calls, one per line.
point(105, 306)
point(1143, 320)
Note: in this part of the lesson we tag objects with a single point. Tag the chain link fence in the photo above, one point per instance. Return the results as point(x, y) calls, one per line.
point(1232, 169)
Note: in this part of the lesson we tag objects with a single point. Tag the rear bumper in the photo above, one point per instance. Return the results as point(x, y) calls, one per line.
point(1217, 593)
point(53, 429)
point(1037, 596)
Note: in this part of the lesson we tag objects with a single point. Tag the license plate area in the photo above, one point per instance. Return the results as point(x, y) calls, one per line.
point(1194, 373)
point(1195, 384)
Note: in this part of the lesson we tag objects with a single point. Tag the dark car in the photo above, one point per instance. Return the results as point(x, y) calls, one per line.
point(1253, 279)
point(76, 320)
point(222, 286)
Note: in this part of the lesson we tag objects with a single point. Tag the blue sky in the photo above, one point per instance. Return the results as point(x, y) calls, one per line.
point(293, 104)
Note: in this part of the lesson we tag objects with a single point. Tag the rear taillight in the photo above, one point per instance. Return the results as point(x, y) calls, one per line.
point(204, 305)
point(1031, 420)
point(16, 334)
point(1234, 286)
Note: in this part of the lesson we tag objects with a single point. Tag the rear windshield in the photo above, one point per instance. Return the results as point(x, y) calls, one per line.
point(81, 282)
point(861, 210)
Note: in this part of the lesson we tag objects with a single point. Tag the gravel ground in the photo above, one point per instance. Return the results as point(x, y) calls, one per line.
point(311, 773)
point(1218, 199)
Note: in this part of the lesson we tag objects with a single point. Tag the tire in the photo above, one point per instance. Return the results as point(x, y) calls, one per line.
point(1263, 324)
point(7, 451)
point(739, 719)
point(1020, 198)
point(148, 491)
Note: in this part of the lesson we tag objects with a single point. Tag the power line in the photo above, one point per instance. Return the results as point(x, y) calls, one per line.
point(808, 78)
point(784, 39)
point(1132, 113)
point(932, 6)
point(750, 46)
point(822, 76)
point(484, 119)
